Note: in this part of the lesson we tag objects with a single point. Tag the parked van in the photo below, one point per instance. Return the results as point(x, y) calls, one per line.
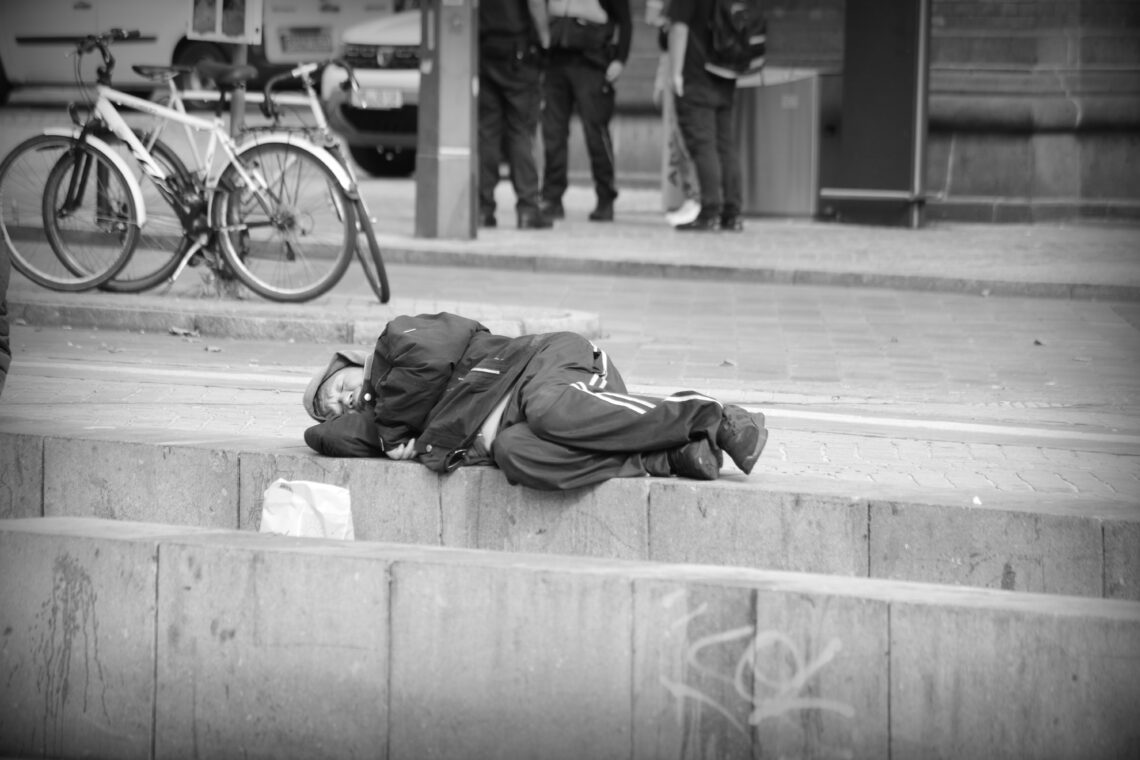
point(37, 37)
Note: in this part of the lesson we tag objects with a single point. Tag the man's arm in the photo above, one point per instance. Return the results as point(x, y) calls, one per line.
point(678, 42)
point(622, 17)
point(541, 21)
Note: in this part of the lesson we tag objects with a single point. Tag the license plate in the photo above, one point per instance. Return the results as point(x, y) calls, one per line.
point(307, 40)
point(370, 97)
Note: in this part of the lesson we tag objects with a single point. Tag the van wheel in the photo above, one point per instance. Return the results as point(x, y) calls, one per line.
point(384, 162)
point(192, 54)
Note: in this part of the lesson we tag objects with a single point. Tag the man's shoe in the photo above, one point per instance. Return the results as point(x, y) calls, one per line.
point(603, 213)
point(552, 210)
point(696, 459)
point(742, 436)
point(487, 219)
point(732, 223)
point(534, 220)
point(700, 224)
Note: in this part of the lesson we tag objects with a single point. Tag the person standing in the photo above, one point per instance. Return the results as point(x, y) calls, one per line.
point(589, 45)
point(513, 37)
point(705, 99)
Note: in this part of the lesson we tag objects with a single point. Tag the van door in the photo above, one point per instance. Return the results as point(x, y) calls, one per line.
point(296, 31)
point(160, 24)
point(40, 36)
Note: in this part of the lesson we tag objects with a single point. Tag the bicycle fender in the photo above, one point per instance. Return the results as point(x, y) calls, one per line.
point(322, 155)
point(103, 149)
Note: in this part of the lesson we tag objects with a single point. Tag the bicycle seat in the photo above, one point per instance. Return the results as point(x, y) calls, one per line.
point(159, 73)
point(226, 76)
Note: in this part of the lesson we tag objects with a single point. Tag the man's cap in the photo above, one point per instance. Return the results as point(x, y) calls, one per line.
point(340, 360)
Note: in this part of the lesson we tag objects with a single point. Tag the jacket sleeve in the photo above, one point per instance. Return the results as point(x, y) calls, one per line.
point(622, 17)
point(349, 435)
point(413, 363)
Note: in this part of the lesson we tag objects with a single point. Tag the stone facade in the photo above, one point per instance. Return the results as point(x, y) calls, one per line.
point(1034, 109)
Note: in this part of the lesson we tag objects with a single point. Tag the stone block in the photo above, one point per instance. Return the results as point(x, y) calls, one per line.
point(483, 511)
point(504, 660)
point(727, 524)
point(1122, 560)
point(77, 611)
point(1015, 551)
point(271, 647)
point(178, 485)
point(21, 475)
point(1057, 678)
point(391, 501)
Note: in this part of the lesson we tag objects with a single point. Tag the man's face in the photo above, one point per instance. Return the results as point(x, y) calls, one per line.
point(341, 392)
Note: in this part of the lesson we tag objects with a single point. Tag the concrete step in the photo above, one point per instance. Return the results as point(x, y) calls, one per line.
point(1012, 542)
point(137, 640)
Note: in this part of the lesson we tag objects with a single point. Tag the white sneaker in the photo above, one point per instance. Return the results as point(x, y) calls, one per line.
point(688, 212)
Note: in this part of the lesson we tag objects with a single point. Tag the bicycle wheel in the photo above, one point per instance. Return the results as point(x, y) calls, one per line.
point(162, 243)
point(371, 260)
point(294, 241)
point(72, 247)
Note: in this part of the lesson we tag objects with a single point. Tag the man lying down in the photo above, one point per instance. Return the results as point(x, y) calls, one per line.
point(549, 410)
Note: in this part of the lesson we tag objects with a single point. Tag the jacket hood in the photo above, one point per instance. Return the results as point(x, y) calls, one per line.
point(339, 361)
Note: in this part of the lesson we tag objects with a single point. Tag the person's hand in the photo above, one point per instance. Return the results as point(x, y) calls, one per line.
point(405, 450)
point(678, 85)
point(613, 71)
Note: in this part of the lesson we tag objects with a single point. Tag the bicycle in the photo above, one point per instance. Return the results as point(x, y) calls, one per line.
point(319, 132)
point(279, 212)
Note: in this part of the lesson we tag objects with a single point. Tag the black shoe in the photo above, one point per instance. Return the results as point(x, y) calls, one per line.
point(732, 223)
point(742, 436)
point(603, 213)
point(552, 210)
point(700, 224)
point(487, 219)
point(534, 220)
point(696, 459)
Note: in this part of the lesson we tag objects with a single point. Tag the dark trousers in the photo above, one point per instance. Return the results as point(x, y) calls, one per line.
point(5, 344)
point(510, 98)
point(705, 116)
point(573, 83)
point(570, 422)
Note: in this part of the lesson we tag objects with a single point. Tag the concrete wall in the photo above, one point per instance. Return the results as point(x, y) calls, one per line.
point(1083, 550)
point(136, 640)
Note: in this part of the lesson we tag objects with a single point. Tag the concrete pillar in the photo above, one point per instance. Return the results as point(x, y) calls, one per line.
point(446, 195)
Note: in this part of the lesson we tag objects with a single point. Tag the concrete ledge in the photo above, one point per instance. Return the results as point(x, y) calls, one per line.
point(136, 640)
point(761, 522)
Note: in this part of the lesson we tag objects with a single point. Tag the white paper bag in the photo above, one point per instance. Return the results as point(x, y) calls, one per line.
point(307, 509)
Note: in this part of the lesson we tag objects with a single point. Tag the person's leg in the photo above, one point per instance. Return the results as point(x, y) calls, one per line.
point(522, 101)
point(595, 98)
point(566, 397)
point(728, 154)
point(557, 108)
point(698, 126)
point(490, 137)
point(529, 460)
point(5, 344)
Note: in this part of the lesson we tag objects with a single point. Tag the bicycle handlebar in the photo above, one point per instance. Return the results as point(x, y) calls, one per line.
point(303, 71)
point(100, 42)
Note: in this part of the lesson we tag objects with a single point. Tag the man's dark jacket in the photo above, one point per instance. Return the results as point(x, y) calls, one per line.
point(435, 378)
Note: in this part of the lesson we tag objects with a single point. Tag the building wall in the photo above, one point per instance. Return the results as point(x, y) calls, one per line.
point(1034, 108)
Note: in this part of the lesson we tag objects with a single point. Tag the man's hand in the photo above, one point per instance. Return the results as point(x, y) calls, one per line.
point(614, 70)
point(405, 450)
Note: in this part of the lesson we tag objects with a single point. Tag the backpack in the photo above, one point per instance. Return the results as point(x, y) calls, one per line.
point(737, 38)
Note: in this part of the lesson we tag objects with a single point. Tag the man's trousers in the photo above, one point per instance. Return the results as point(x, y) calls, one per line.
point(570, 422)
point(571, 82)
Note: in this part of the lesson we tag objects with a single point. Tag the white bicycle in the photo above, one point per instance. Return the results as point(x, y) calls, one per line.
point(275, 212)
